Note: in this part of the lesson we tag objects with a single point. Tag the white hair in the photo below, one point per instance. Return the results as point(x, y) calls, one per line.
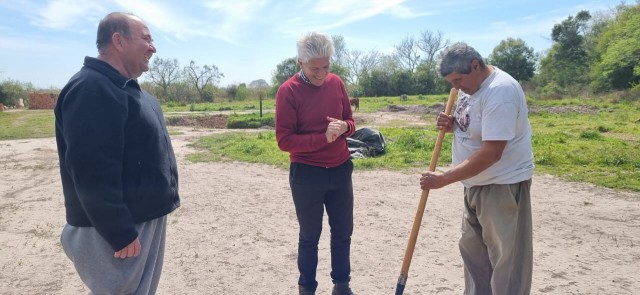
point(314, 45)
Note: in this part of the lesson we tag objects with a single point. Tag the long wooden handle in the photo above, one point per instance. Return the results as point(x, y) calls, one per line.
point(417, 221)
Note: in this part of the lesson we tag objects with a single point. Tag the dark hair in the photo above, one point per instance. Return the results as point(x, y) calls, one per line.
point(115, 22)
point(457, 58)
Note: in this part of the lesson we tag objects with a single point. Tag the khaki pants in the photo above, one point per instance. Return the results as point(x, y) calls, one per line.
point(496, 243)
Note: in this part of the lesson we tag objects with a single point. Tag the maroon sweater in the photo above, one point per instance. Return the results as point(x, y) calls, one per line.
point(301, 120)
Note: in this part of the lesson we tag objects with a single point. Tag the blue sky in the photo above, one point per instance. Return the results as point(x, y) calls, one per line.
point(44, 42)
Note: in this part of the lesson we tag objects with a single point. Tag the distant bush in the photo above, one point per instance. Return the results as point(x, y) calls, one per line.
point(253, 120)
point(590, 135)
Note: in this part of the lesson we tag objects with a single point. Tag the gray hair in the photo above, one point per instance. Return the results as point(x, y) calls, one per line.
point(115, 22)
point(457, 58)
point(314, 45)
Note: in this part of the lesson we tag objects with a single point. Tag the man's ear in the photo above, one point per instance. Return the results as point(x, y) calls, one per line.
point(116, 40)
point(475, 64)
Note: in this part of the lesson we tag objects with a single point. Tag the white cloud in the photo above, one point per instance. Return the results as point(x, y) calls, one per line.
point(28, 46)
point(236, 16)
point(239, 10)
point(402, 11)
point(220, 20)
point(234, 21)
point(65, 14)
point(330, 14)
point(349, 11)
point(351, 7)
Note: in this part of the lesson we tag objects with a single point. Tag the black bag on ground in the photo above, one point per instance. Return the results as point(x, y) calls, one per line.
point(366, 142)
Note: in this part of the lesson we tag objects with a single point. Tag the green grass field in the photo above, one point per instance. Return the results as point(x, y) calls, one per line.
point(585, 140)
point(581, 140)
point(26, 124)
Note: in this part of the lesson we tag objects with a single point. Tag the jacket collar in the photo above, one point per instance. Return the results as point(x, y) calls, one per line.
point(110, 72)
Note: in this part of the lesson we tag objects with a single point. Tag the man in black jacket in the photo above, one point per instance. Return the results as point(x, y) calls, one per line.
point(118, 170)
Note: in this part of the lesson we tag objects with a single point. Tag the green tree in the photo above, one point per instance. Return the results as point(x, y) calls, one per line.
point(242, 92)
point(231, 91)
point(376, 83)
point(209, 92)
point(514, 57)
point(566, 63)
point(285, 70)
point(3, 96)
point(402, 82)
point(183, 92)
point(13, 90)
point(569, 37)
point(599, 21)
point(428, 81)
point(617, 64)
point(342, 72)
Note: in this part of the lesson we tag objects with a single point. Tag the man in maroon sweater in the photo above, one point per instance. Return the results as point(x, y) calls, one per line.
point(313, 121)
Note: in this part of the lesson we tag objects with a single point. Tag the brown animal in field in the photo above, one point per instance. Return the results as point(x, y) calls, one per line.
point(355, 102)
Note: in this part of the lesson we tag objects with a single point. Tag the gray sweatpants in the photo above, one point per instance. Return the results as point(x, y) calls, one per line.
point(102, 273)
point(496, 243)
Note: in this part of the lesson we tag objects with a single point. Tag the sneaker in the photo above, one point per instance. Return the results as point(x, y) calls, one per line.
point(303, 291)
point(342, 289)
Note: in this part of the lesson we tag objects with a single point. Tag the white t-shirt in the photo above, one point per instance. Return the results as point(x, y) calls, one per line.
point(497, 111)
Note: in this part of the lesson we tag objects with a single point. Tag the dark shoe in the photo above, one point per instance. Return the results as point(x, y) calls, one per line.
point(342, 289)
point(304, 291)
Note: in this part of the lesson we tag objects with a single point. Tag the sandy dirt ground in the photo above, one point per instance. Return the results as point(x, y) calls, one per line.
point(236, 231)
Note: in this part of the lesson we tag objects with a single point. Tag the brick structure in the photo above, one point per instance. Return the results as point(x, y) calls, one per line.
point(39, 101)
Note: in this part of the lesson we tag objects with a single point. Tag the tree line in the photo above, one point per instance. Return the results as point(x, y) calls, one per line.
point(590, 53)
point(194, 83)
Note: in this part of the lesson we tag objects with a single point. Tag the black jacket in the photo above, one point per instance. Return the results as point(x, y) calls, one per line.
point(116, 160)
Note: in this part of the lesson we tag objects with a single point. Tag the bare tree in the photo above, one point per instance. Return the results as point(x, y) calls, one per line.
point(163, 73)
point(340, 53)
point(431, 43)
point(353, 65)
point(369, 61)
point(360, 63)
point(407, 53)
point(201, 77)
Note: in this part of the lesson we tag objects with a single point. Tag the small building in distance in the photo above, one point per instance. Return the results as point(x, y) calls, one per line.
point(39, 101)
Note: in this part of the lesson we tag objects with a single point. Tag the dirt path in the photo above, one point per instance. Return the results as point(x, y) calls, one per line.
point(236, 232)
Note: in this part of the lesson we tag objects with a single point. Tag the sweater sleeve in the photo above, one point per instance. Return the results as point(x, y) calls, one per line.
point(93, 130)
point(347, 113)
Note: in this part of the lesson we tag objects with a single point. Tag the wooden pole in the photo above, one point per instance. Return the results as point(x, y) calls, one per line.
point(408, 254)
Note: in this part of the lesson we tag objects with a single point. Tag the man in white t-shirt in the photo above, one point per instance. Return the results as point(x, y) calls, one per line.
point(493, 158)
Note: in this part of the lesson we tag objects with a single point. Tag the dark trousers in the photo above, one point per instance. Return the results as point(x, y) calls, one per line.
point(314, 189)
